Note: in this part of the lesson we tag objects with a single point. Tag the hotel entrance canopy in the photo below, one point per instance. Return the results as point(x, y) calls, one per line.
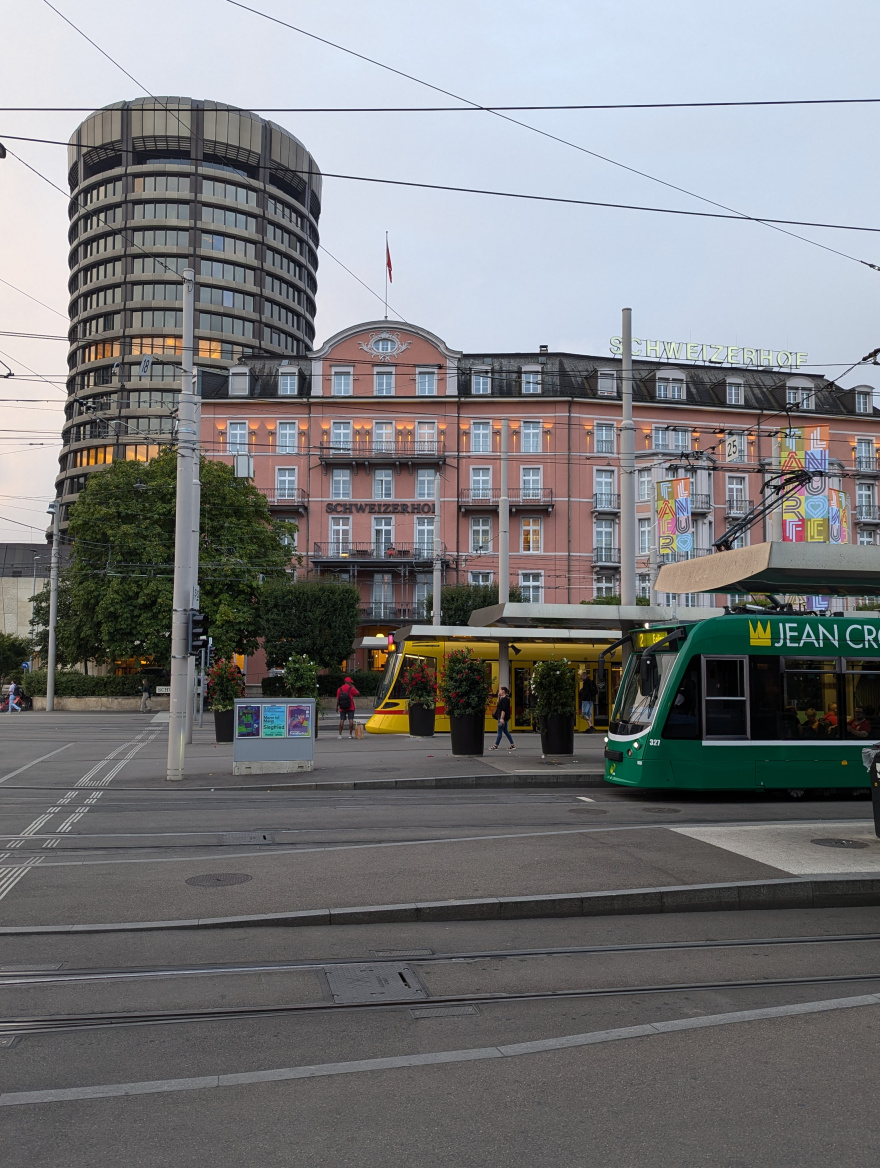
point(815, 569)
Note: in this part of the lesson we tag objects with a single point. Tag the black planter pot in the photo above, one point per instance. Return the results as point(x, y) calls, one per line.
point(224, 725)
point(557, 734)
point(467, 731)
point(421, 721)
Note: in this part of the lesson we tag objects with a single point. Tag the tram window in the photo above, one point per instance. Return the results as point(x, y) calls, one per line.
point(410, 659)
point(725, 700)
point(683, 720)
point(809, 699)
point(387, 677)
point(862, 700)
point(765, 699)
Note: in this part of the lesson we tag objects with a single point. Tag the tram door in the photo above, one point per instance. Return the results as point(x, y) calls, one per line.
point(605, 697)
point(523, 709)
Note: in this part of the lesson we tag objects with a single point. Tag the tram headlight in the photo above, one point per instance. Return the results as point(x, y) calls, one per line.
point(637, 746)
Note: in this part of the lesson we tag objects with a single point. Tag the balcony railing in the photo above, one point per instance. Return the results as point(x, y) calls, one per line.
point(376, 550)
point(867, 462)
point(701, 503)
point(285, 496)
point(735, 508)
point(391, 449)
point(389, 610)
point(517, 497)
point(678, 557)
point(606, 555)
point(606, 502)
point(867, 513)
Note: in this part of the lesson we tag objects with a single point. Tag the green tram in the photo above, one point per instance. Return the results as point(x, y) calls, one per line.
point(766, 702)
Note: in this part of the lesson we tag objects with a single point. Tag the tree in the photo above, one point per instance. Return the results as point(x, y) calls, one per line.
point(13, 652)
point(458, 601)
point(115, 597)
point(313, 618)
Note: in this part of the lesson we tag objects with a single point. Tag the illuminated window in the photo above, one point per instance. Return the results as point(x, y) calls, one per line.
point(531, 535)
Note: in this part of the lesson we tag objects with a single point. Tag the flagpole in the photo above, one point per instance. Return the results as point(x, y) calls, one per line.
point(386, 275)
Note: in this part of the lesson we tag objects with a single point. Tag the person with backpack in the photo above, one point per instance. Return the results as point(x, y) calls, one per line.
point(345, 696)
point(14, 698)
point(502, 717)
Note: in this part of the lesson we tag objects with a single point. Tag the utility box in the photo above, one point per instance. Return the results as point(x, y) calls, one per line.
point(273, 736)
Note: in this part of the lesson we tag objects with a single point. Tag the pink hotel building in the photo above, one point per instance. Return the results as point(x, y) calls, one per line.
point(347, 440)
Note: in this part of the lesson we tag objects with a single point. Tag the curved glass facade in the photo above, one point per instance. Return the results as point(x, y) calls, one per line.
point(159, 185)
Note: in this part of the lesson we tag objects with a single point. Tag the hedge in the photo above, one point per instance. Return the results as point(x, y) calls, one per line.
point(366, 682)
point(80, 685)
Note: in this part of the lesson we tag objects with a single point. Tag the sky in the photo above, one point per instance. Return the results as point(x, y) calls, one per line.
point(483, 272)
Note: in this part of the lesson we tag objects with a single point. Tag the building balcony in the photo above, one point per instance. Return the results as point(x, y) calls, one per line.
point(736, 508)
point(678, 557)
point(390, 612)
point(519, 499)
point(423, 453)
point(606, 556)
point(373, 554)
point(701, 503)
point(866, 463)
point(605, 502)
point(867, 513)
point(286, 498)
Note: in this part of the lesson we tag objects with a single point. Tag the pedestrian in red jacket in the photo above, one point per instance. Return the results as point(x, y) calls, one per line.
point(345, 696)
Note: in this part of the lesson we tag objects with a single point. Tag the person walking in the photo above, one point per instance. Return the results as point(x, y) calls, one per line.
point(145, 695)
point(587, 695)
point(345, 696)
point(502, 716)
point(14, 702)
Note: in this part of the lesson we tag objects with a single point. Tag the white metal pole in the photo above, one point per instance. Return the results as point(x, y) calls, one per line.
point(437, 583)
point(627, 472)
point(194, 555)
point(504, 555)
point(53, 609)
point(183, 580)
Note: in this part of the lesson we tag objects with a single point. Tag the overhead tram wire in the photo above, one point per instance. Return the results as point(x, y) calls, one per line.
point(490, 107)
point(15, 288)
point(735, 216)
point(543, 133)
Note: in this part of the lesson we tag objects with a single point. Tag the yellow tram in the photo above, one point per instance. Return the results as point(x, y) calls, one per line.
point(432, 645)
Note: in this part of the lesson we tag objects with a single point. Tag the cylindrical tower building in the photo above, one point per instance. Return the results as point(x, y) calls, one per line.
point(158, 185)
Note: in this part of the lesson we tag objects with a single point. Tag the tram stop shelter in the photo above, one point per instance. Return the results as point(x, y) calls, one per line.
point(813, 569)
point(615, 619)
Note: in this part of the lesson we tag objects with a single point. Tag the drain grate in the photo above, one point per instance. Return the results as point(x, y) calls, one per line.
point(662, 810)
point(840, 843)
point(218, 879)
point(444, 1012)
point(29, 968)
point(351, 984)
point(402, 952)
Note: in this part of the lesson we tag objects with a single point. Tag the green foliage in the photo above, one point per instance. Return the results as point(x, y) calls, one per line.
point(225, 684)
point(115, 597)
point(555, 687)
point(13, 651)
point(315, 618)
point(465, 684)
point(301, 678)
point(641, 600)
point(458, 601)
point(366, 682)
point(80, 685)
point(420, 685)
point(274, 687)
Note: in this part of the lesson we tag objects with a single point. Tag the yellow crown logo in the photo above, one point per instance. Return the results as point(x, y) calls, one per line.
point(759, 634)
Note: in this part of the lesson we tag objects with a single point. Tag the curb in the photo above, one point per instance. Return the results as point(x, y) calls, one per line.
point(447, 782)
point(798, 892)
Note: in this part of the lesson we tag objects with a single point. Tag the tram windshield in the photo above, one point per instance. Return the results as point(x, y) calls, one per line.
point(634, 709)
point(388, 676)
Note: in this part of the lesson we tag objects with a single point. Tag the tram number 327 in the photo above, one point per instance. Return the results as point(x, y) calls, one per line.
point(653, 741)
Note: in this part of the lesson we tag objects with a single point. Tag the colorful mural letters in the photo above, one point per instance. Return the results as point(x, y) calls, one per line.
point(675, 529)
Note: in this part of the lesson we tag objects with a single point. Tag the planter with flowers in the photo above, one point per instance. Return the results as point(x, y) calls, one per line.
point(555, 688)
point(420, 689)
point(225, 684)
point(465, 688)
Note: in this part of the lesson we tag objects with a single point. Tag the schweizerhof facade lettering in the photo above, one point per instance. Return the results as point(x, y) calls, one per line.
point(712, 354)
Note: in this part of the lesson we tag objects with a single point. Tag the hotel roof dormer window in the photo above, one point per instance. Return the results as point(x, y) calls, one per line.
point(799, 392)
point(607, 383)
point(481, 381)
point(341, 385)
point(864, 399)
point(670, 388)
point(735, 393)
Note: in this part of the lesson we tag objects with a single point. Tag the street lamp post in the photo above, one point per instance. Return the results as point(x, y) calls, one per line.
point(55, 511)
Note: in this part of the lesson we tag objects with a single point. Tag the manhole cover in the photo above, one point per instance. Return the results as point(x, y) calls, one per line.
point(662, 810)
point(389, 982)
point(840, 843)
point(218, 879)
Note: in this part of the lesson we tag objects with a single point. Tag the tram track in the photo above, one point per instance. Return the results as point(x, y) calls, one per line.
point(61, 1023)
point(41, 977)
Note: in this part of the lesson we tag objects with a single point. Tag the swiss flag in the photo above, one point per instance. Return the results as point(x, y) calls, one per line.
point(388, 262)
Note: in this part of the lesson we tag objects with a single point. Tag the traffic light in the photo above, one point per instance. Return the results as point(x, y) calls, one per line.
point(198, 632)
